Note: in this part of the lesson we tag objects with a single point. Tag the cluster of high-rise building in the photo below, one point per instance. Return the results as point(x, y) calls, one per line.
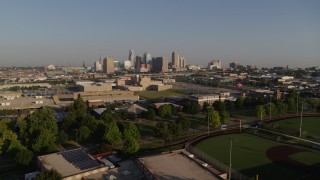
point(178, 62)
point(145, 63)
point(214, 64)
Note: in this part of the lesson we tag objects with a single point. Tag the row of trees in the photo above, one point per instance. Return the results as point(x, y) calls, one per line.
point(168, 129)
point(108, 129)
point(289, 105)
point(39, 132)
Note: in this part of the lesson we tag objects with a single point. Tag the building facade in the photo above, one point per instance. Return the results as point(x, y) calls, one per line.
point(132, 57)
point(160, 64)
point(108, 65)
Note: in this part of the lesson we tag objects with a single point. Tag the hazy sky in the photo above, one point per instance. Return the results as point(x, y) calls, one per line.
point(67, 32)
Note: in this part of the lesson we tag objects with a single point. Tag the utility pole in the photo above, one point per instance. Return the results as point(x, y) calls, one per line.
point(230, 156)
point(297, 103)
point(300, 131)
point(208, 115)
point(270, 108)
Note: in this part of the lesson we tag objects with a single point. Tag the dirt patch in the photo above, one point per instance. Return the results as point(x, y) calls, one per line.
point(280, 155)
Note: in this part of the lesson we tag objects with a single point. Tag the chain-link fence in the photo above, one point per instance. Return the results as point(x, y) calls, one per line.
point(283, 137)
point(215, 163)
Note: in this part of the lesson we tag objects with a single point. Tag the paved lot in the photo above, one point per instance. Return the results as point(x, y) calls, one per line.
point(175, 166)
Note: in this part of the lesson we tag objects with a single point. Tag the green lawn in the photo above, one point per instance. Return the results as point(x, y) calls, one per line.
point(248, 156)
point(309, 124)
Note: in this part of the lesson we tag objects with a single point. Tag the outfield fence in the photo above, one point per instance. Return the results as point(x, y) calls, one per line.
point(215, 163)
point(283, 138)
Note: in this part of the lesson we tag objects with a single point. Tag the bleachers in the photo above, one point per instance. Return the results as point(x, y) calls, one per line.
point(80, 159)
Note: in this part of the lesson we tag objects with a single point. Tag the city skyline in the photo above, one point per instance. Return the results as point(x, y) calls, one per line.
point(37, 33)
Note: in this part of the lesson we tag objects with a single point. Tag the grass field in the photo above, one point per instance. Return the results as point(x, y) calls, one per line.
point(249, 156)
point(309, 124)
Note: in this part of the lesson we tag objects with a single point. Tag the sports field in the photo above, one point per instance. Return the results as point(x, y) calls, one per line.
point(252, 155)
point(310, 125)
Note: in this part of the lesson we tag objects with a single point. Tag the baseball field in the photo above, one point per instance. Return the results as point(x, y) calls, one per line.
point(252, 156)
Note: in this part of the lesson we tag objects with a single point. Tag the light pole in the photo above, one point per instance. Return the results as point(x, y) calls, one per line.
point(208, 108)
point(270, 108)
point(297, 103)
point(230, 154)
point(300, 130)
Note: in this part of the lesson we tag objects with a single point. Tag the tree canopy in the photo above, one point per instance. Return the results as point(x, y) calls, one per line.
point(213, 117)
point(39, 130)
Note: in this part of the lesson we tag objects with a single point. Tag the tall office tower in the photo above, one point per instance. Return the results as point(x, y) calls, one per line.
point(138, 62)
point(234, 65)
point(108, 65)
point(175, 60)
point(160, 64)
point(147, 58)
point(182, 62)
point(132, 57)
point(127, 64)
point(97, 66)
point(214, 64)
point(117, 65)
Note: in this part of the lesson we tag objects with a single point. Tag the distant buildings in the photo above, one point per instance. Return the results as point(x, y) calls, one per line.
point(234, 65)
point(215, 64)
point(127, 64)
point(98, 65)
point(160, 64)
point(132, 57)
point(177, 61)
point(147, 58)
point(108, 65)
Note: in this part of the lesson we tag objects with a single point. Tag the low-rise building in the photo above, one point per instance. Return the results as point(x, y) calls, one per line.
point(72, 164)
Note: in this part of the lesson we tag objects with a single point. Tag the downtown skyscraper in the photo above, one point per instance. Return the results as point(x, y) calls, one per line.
point(132, 57)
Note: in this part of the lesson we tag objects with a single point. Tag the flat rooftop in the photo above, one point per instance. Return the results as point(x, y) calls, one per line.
point(127, 170)
point(175, 166)
point(70, 162)
point(26, 103)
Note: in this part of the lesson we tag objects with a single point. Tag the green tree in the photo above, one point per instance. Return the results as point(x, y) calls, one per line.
point(224, 116)
point(239, 102)
point(271, 107)
point(80, 108)
point(23, 157)
point(205, 107)
point(291, 103)
point(131, 131)
point(162, 131)
point(8, 138)
point(165, 111)
point(229, 105)
point(214, 118)
point(175, 128)
point(261, 112)
point(49, 175)
point(90, 122)
point(192, 107)
point(281, 107)
point(185, 123)
point(62, 137)
point(112, 134)
point(313, 104)
point(84, 133)
point(39, 130)
point(130, 146)
point(219, 106)
point(69, 121)
point(122, 114)
point(150, 114)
